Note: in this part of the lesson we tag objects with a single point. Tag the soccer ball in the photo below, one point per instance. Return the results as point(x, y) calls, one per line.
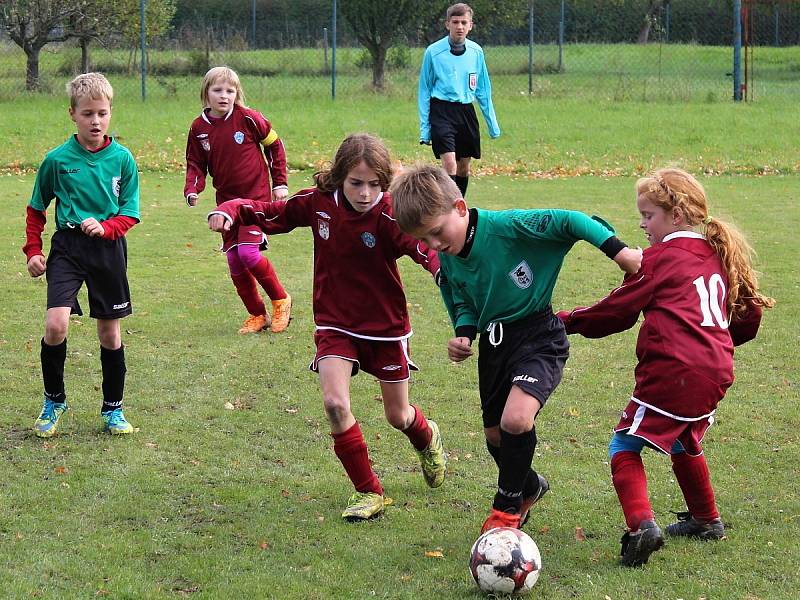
point(505, 560)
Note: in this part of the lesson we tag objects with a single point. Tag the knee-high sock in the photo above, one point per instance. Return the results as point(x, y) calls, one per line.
point(53, 358)
point(113, 364)
point(630, 482)
point(419, 432)
point(695, 482)
point(516, 455)
point(351, 449)
point(265, 274)
point(531, 486)
point(245, 285)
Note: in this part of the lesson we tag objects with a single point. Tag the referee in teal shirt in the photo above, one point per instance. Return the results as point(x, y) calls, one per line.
point(453, 74)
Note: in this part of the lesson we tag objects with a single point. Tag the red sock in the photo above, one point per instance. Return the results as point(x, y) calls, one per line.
point(265, 275)
point(693, 477)
point(351, 450)
point(630, 482)
point(248, 292)
point(419, 432)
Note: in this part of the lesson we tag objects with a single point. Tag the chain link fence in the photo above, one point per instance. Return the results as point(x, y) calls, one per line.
point(679, 50)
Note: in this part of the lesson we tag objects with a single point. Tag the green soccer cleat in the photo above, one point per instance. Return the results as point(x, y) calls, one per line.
point(115, 422)
point(363, 506)
point(433, 459)
point(46, 424)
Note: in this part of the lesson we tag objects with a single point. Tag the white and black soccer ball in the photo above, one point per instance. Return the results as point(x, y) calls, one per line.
point(505, 560)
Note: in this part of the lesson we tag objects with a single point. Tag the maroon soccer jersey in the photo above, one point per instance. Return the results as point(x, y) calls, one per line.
point(685, 350)
point(357, 286)
point(232, 149)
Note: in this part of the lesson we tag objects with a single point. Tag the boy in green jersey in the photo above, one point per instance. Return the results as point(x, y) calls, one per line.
point(498, 271)
point(95, 184)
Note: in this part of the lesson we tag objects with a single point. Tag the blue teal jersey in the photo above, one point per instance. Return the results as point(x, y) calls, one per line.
point(453, 78)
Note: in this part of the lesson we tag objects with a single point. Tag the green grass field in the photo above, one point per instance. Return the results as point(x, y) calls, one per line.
point(230, 488)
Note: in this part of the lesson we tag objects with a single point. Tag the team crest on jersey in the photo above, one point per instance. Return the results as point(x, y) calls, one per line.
point(115, 186)
point(521, 275)
point(238, 137)
point(324, 229)
point(206, 145)
point(473, 81)
point(368, 239)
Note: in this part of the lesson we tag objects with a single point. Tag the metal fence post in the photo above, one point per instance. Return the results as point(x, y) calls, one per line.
point(253, 23)
point(333, 53)
point(561, 39)
point(530, 47)
point(143, 44)
point(737, 50)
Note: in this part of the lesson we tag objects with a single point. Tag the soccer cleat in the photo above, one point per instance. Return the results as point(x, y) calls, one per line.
point(281, 313)
point(499, 518)
point(46, 424)
point(528, 502)
point(115, 422)
point(433, 458)
point(637, 546)
point(362, 506)
point(254, 324)
point(688, 526)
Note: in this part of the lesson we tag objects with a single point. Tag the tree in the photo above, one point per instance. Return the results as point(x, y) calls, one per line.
point(377, 24)
point(32, 24)
point(654, 6)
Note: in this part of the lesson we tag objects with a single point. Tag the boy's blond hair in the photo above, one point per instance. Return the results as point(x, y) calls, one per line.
point(421, 192)
point(217, 74)
point(91, 85)
point(459, 10)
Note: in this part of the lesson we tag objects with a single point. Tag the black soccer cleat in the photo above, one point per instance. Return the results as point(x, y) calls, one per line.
point(688, 526)
point(637, 546)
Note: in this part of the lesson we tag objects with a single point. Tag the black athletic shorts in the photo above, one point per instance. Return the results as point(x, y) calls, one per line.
point(529, 353)
point(454, 128)
point(74, 258)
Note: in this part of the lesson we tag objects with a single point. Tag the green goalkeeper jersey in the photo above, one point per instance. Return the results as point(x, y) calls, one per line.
point(87, 184)
point(513, 264)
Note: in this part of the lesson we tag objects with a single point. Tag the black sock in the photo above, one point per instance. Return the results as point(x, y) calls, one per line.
point(531, 486)
point(113, 363)
point(516, 455)
point(53, 358)
point(462, 183)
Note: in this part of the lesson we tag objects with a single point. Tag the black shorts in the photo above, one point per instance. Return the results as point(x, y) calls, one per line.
point(529, 353)
point(74, 258)
point(454, 128)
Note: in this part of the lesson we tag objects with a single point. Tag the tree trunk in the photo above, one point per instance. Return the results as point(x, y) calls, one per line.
point(32, 68)
point(647, 25)
point(84, 55)
point(378, 68)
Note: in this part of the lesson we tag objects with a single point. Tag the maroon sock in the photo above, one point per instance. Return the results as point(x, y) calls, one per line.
point(630, 482)
point(351, 450)
point(248, 292)
point(693, 477)
point(419, 432)
point(265, 275)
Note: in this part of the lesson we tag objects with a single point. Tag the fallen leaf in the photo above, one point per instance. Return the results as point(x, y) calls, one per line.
point(228, 406)
point(61, 470)
point(434, 554)
point(580, 536)
point(263, 545)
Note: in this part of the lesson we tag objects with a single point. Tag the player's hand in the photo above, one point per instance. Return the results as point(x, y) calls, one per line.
point(629, 259)
point(459, 348)
point(280, 194)
point(37, 265)
point(424, 142)
point(563, 315)
point(191, 199)
point(218, 223)
point(92, 227)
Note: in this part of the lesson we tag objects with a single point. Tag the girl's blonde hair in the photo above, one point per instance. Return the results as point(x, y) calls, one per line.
point(673, 188)
point(353, 150)
point(217, 74)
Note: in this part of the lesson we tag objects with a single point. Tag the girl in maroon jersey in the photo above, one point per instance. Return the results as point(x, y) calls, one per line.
point(230, 142)
point(700, 298)
point(359, 304)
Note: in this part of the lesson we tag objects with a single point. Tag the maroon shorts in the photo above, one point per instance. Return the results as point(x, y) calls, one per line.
point(385, 360)
point(662, 431)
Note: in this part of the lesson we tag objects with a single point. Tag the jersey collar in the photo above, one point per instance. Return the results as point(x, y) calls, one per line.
point(683, 234)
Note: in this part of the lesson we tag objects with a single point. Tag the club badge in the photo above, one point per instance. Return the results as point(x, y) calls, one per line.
point(238, 137)
point(368, 239)
point(473, 81)
point(521, 275)
point(206, 145)
point(323, 228)
point(115, 185)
